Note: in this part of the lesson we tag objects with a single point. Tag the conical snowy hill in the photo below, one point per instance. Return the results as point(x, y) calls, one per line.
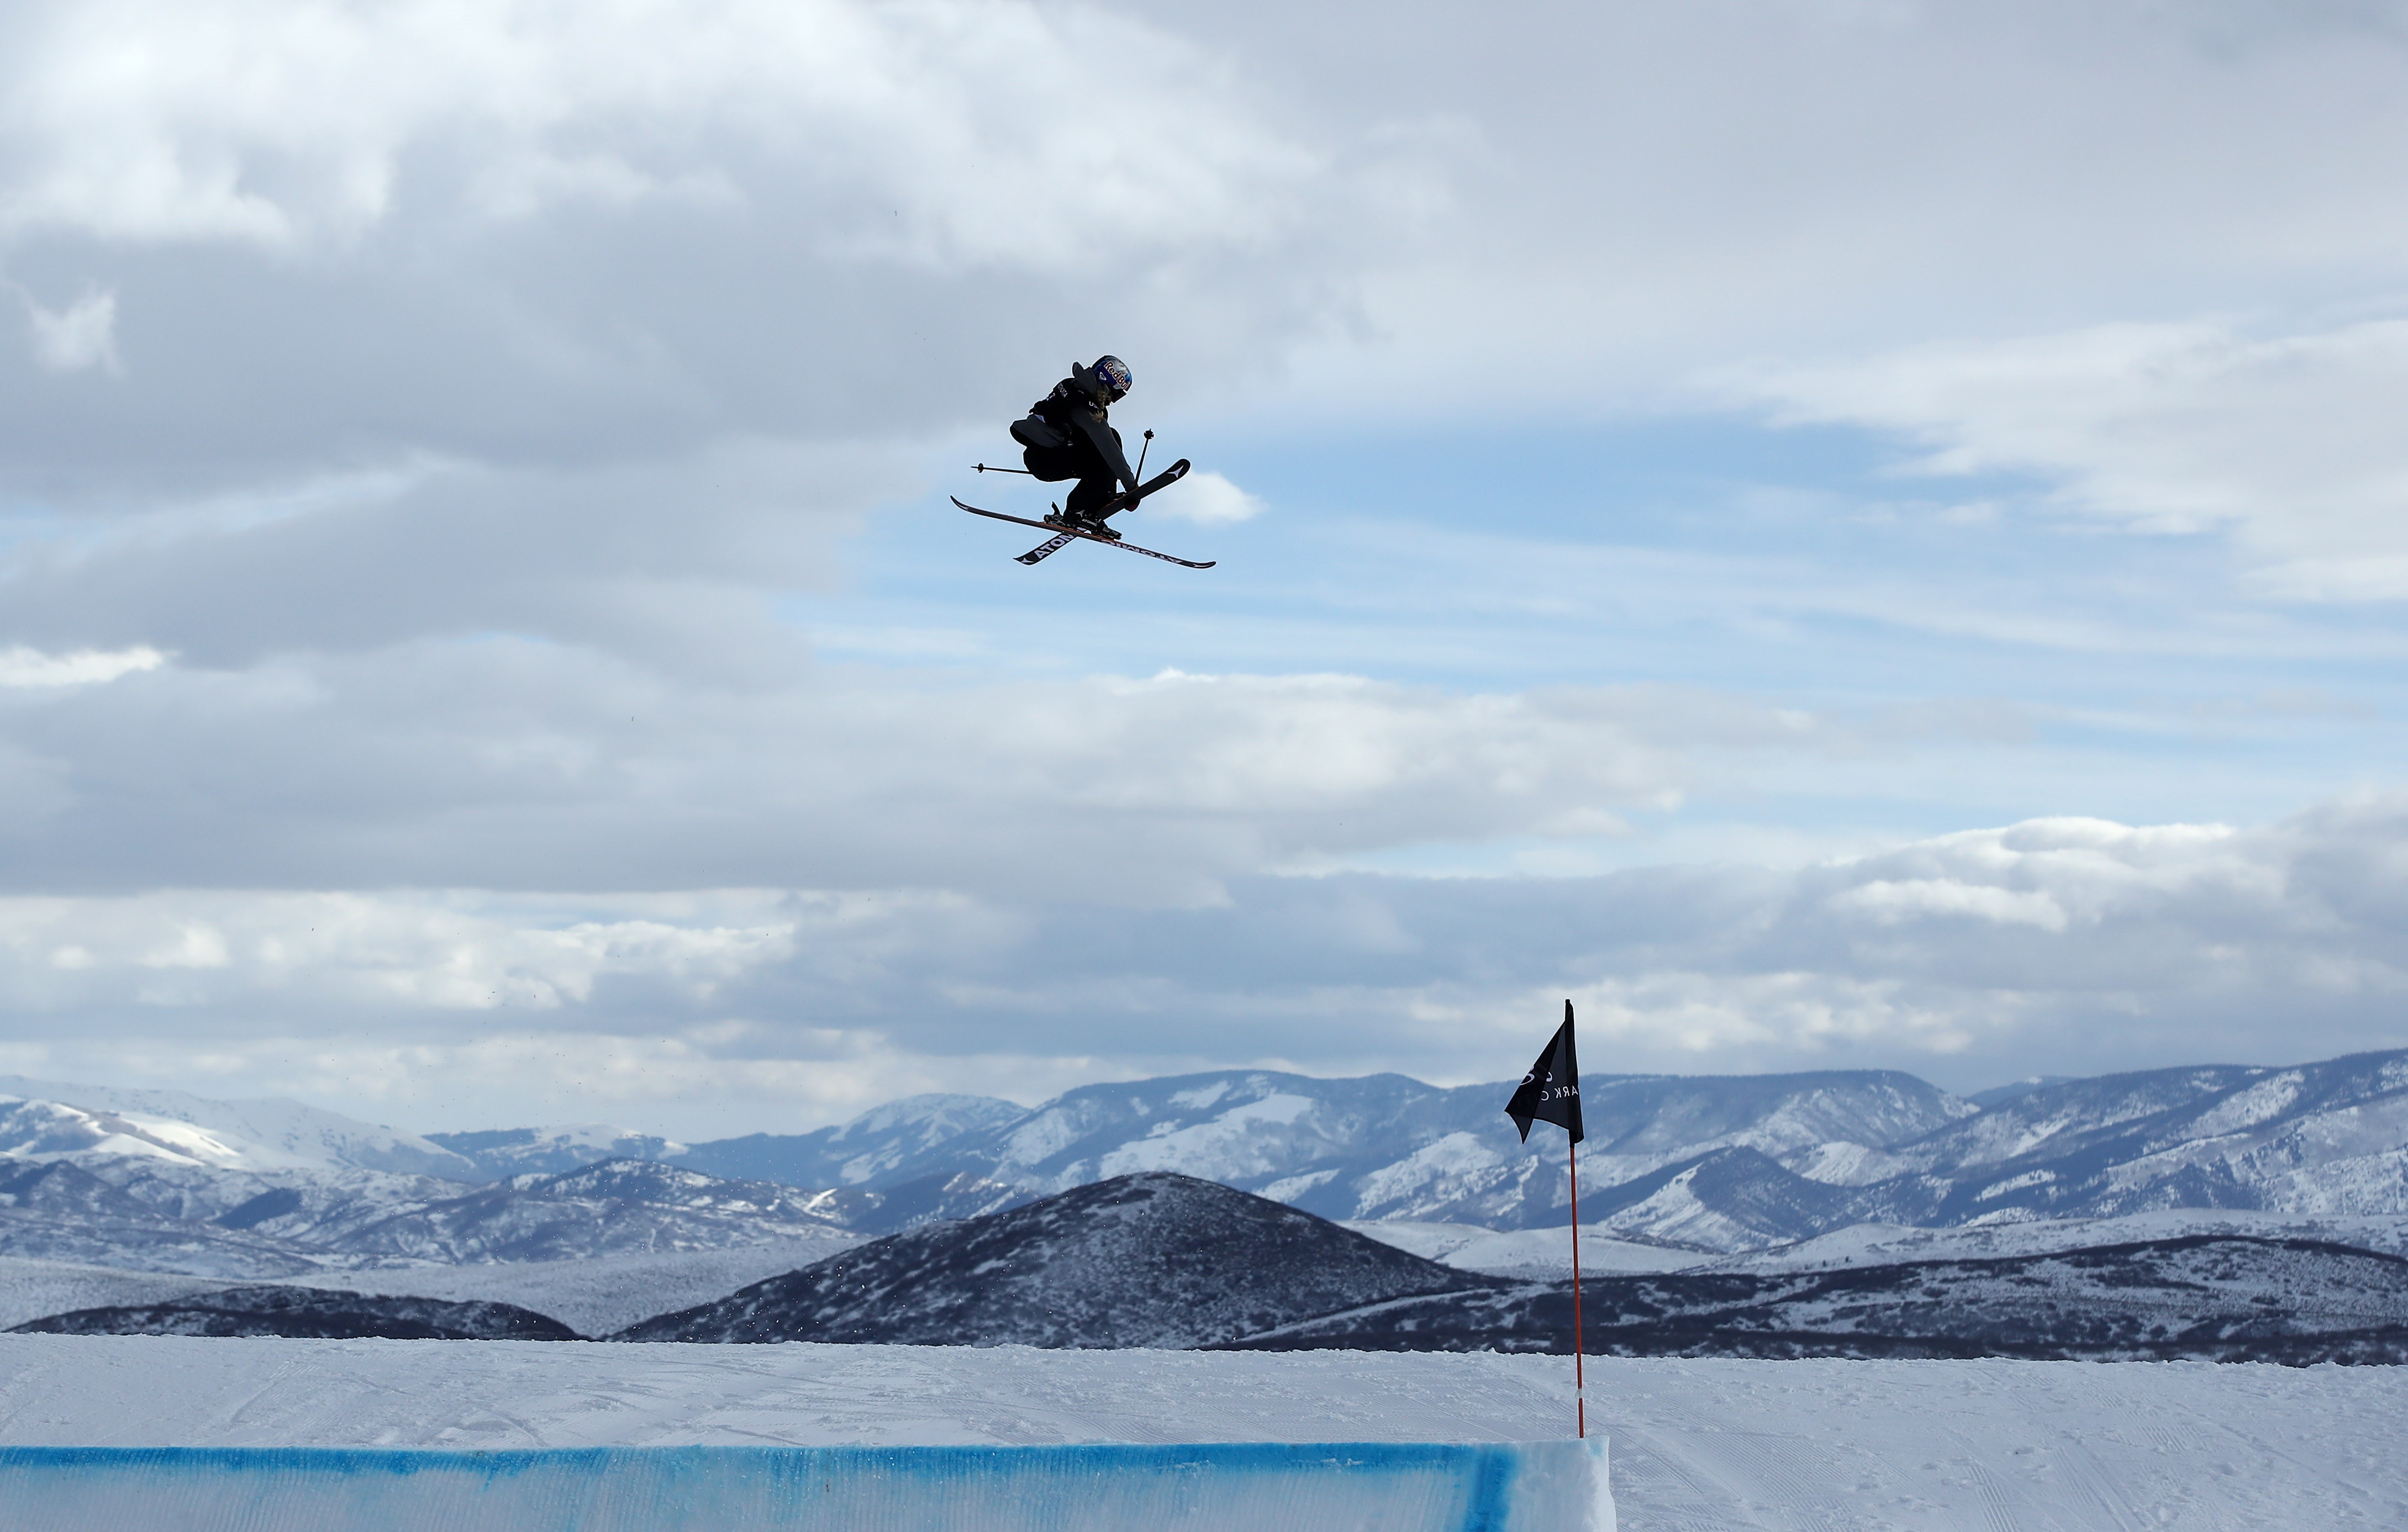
point(1145, 1260)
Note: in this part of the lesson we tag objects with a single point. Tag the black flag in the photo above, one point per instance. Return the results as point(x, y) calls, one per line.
point(1550, 1092)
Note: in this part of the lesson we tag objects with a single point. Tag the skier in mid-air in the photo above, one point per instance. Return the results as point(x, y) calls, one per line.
point(1068, 434)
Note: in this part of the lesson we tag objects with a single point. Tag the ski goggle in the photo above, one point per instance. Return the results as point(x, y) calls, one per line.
point(1114, 373)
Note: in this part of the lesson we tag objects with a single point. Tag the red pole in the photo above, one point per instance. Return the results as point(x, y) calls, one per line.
point(1580, 1383)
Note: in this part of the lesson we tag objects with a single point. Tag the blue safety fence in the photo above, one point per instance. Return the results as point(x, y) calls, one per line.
point(1548, 1486)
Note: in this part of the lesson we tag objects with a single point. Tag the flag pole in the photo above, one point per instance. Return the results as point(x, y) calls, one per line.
point(1580, 1383)
point(1550, 1093)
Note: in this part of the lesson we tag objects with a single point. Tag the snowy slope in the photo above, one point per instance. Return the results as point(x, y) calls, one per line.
point(613, 1207)
point(1876, 1244)
point(2204, 1298)
point(902, 1140)
point(497, 1153)
point(168, 1182)
point(30, 1289)
point(1388, 1146)
point(56, 1210)
point(592, 1296)
point(1732, 1165)
point(1734, 1162)
point(2320, 1144)
point(136, 1213)
point(2320, 1139)
point(1727, 1446)
point(264, 1135)
point(601, 1294)
point(1540, 1253)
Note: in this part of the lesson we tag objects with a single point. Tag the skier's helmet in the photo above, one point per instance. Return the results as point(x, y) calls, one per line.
point(1113, 374)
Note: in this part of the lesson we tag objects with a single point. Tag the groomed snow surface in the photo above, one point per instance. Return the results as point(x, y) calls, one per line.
point(1695, 1445)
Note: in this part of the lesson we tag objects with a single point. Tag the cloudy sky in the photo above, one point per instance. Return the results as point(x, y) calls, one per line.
point(1838, 533)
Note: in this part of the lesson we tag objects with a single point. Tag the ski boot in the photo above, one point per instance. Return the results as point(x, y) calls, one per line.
point(1087, 523)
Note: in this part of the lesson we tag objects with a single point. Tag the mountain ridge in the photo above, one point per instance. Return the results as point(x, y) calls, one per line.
point(1729, 1164)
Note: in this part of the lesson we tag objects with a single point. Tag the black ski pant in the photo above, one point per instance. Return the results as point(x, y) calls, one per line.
point(1076, 459)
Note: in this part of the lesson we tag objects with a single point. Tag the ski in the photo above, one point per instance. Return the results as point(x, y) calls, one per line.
point(1063, 535)
point(1046, 550)
point(1127, 499)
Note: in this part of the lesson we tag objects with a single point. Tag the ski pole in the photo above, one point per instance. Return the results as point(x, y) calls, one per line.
point(1140, 456)
point(983, 469)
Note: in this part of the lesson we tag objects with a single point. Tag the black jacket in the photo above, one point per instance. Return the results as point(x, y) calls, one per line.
point(1076, 407)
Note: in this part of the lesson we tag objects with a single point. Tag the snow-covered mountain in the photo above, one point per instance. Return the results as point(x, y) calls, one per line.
point(1380, 1146)
point(1734, 1164)
point(128, 1214)
point(57, 1210)
point(1162, 1260)
point(2319, 1139)
point(494, 1154)
point(40, 1118)
point(901, 1141)
point(616, 1207)
point(164, 1181)
point(1720, 1165)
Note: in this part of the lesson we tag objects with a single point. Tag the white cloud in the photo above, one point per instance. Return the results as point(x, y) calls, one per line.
point(946, 132)
point(78, 338)
point(1703, 1017)
point(2291, 441)
point(392, 952)
point(1208, 499)
point(2168, 943)
point(21, 666)
point(497, 760)
point(1891, 903)
point(349, 239)
point(2174, 934)
point(1670, 184)
point(510, 382)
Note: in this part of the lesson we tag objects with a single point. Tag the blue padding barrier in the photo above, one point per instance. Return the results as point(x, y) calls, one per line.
point(1547, 1486)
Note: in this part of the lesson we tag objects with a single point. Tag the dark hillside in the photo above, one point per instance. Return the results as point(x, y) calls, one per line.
point(2203, 1297)
point(308, 1313)
point(1147, 1260)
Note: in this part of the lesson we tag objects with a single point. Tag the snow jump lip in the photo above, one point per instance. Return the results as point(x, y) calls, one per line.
point(1543, 1487)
